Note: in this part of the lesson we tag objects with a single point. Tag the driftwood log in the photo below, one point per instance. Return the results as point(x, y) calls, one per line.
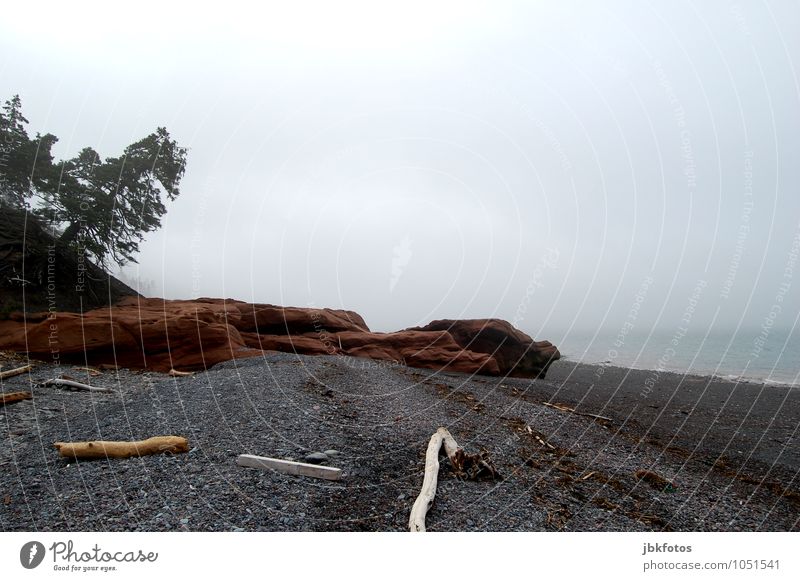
point(470, 466)
point(69, 383)
point(14, 397)
point(106, 449)
point(17, 371)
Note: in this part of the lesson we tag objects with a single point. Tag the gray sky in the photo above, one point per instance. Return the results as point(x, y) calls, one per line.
point(534, 162)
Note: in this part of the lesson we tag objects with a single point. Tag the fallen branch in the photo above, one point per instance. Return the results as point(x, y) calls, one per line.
point(90, 370)
point(288, 467)
point(655, 480)
point(595, 416)
point(544, 442)
point(564, 408)
point(105, 449)
point(558, 406)
point(416, 522)
point(14, 397)
point(75, 385)
point(176, 373)
point(18, 279)
point(472, 466)
point(14, 372)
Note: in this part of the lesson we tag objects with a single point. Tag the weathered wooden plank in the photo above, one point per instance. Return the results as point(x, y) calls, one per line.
point(288, 467)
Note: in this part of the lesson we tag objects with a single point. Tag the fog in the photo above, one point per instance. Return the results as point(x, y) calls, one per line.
point(558, 166)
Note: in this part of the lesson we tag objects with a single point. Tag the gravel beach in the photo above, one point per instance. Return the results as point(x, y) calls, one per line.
point(625, 450)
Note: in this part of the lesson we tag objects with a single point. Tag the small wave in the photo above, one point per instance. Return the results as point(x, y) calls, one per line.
point(731, 377)
point(780, 383)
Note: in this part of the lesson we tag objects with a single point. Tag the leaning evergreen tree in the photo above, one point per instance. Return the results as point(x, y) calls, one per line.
point(102, 207)
point(26, 165)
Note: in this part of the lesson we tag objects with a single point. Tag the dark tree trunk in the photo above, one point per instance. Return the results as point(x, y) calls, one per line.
point(70, 234)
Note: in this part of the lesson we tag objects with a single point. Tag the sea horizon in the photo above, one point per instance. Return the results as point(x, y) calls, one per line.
point(753, 354)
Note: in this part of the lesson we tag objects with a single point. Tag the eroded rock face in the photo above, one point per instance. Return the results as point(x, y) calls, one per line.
point(516, 354)
point(161, 335)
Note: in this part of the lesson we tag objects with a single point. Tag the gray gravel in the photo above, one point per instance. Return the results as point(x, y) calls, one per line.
point(562, 471)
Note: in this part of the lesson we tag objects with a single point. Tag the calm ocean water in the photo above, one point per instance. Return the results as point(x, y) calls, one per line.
point(771, 356)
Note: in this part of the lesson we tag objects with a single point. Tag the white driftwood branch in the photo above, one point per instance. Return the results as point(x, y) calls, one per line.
point(451, 447)
point(469, 466)
point(13, 372)
point(416, 522)
point(287, 467)
point(76, 385)
point(176, 373)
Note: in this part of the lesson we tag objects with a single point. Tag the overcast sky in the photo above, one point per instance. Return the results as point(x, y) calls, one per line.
point(543, 163)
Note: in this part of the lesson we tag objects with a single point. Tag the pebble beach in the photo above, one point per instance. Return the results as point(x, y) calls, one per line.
point(587, 449)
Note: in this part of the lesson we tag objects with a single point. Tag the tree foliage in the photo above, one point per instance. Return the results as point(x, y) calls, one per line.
point(103, 207)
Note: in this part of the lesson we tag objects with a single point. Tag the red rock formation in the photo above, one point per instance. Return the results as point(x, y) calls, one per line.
point(159, 335)
point(516, 354)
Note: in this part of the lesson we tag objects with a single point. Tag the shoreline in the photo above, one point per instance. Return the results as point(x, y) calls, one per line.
point(687, 373)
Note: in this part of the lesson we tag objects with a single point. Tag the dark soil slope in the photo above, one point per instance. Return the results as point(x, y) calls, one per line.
point(37, 274)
